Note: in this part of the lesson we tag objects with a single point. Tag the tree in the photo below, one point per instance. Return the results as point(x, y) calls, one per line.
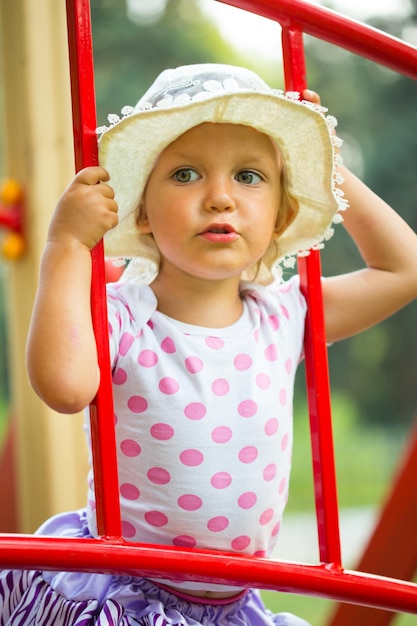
point(377, 113)
point(129, 55)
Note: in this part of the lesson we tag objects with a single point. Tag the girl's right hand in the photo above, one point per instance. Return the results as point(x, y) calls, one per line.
point(85, 211)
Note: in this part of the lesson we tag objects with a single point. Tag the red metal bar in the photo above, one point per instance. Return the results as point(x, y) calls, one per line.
point(86, 154)
point(334, 28)
point(318, 392)
point(200, 565)
point(317, 373)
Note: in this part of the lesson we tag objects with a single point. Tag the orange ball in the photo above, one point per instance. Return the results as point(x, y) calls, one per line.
point(13, 246)
point(11, 192)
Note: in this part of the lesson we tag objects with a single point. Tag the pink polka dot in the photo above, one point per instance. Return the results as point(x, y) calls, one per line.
point(271, 426)
point(247, 500)
point(263, 381)
point(273, 322)
point(284, 442)
point(195, 411)
point(266, 517)
point(162, 432)
point(215, 343)
point(221, 480)
point(158, 476)
point(282, 485)
point(247, 408)
point(137, 404)
point(240, 543)
point(129, 491)
point(128, 530)
point(271, 353)
point(147, 358)
point(248, 454)
point(150, 324)
point(260, 554)
point(129, 447)
point(168, 345)
point(270, 472)
point(194, 364)
point(220, 387)
point(184, 541)
point(276, 529)
point(288, 366)
point(221, 434)
point(242, 362)
point(283, 397)
point(119, 376)
point(189, 502)
point(168, 385)
point(217, 524)
point(191, 457)
point(156, 518)
point(285, 311)
point(126, 341)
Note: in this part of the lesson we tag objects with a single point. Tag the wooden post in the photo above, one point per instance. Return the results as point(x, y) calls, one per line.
point(50, 451)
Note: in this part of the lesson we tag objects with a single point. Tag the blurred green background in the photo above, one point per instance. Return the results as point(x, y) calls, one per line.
point(373, 376)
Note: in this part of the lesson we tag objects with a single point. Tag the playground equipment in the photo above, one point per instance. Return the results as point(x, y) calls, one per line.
point(11, 218)
point(110, 553)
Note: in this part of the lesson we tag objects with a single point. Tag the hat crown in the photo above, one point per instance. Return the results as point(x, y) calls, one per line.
point(190, 83)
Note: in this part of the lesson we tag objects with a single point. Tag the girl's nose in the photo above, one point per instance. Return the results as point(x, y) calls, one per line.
point(219, 196)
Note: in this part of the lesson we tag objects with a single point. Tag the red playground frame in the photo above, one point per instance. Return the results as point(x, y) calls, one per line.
point(110, 553)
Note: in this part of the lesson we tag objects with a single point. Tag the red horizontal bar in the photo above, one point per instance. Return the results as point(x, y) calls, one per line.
point(339, 30)
point(104, 556)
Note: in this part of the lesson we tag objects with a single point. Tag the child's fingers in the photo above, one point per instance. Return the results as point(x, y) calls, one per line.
point(95, 175)
point(92, 175)
point(311, 96)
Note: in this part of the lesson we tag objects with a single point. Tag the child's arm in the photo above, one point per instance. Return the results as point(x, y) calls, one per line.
point(356, 301)
point(61, 348)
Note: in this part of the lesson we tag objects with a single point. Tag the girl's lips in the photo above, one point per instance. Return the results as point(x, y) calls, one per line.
point(220, 233)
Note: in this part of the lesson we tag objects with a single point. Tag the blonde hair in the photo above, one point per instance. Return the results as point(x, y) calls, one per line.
point(263, 270)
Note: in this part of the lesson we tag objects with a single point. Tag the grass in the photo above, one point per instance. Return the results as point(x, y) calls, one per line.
point(365, 458)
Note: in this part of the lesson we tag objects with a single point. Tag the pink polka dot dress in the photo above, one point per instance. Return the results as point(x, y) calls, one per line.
point(204, 419)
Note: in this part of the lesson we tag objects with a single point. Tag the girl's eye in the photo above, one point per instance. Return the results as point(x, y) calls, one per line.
point(248, 177)
point(185, 175)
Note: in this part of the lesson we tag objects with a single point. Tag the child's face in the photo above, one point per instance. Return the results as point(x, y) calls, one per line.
point(212, 200)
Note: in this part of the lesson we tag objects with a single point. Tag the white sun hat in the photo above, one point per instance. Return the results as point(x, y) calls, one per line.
point(187, 96)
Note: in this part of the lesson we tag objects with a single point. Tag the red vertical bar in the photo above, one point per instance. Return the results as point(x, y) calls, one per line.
point(318, 388)
point(86, 154)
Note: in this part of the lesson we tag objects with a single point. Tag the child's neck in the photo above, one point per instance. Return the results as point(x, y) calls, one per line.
point(213, 304)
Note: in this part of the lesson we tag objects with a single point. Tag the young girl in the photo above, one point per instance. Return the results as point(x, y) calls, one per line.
point(207, 185)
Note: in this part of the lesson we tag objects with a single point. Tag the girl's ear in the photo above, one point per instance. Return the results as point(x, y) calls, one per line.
point(142, 221)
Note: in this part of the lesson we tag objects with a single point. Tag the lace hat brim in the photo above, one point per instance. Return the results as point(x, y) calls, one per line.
point(187, 97)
